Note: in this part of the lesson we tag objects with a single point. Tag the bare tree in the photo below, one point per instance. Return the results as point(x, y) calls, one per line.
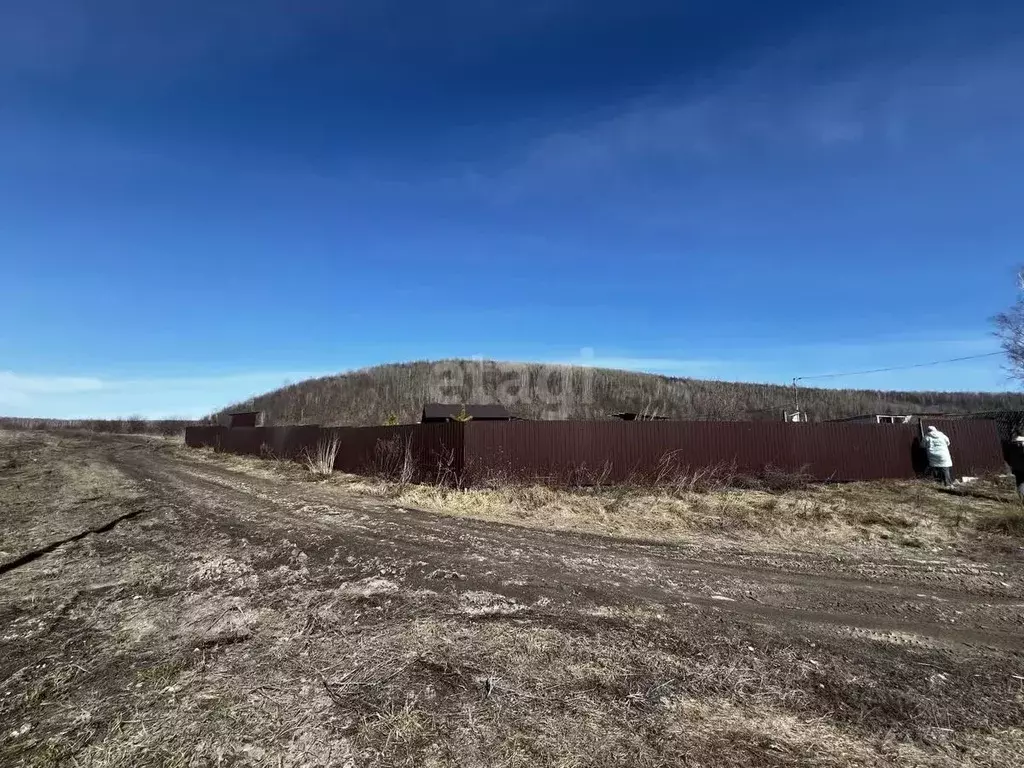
point(1010, 330)
point(368, 397)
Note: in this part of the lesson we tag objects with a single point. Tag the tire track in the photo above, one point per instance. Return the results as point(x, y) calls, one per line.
point(530, 565)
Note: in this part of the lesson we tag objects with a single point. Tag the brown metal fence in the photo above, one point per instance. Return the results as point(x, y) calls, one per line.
point(620, 451)
point(424, 451)
point(564, 451)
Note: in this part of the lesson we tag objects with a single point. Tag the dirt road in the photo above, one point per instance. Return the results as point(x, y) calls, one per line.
point(393, 636)
point(940, 602)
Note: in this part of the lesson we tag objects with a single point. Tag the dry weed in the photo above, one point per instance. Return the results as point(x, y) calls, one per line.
point(1009, 523)
point(346, 663)
point(320, 461)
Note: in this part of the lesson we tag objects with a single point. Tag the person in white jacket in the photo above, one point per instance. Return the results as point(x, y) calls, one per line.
point(939, 459)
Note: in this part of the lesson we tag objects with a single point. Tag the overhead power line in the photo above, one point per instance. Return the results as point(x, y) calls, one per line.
point(896, 367)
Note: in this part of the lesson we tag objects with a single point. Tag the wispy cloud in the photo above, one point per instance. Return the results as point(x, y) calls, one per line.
point(151, 397)
point(60, 36)
point(781, 107)
point(780, 363)
point(175, 40)
point(16, 389)
point(666, 365)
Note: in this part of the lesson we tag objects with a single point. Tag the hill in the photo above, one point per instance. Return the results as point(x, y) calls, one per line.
point(539, 391)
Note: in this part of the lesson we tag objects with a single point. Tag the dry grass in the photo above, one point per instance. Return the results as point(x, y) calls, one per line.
point(872, 515)
point(59, 498)
point(1010, 523)
point(174, 643)
point(406, 679)
point(695, 505)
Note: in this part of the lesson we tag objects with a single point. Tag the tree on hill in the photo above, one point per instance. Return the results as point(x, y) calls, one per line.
point(1010, 330)
point(536, 391)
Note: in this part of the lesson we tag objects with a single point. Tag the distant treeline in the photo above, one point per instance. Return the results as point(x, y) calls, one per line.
point(129, 426)
point(536, 391)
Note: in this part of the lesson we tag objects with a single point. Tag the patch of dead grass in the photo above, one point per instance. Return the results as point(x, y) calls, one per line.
point(44, 501)
point(871, 515)
point(1009, 523)
point(857, 514)
point(335, 665)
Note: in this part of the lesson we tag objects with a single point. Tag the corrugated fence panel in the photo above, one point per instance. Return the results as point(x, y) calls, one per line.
point(295, 442)
point(432, 449)
point(976, 447)
point(619, 451)
point(610, 451)
point(203, 437)
point(245, 441)
point(850, 451)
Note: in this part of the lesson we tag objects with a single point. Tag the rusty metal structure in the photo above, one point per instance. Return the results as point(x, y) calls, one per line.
point(245, 419)
point(617, 451)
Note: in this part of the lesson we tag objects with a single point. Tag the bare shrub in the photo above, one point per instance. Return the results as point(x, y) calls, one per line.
point(493, 478)
point(776, 480)
point(582, 476)
point(448, 474)
point(675, 477)
point(670, 476)
point(393, 460)
point(320, 461)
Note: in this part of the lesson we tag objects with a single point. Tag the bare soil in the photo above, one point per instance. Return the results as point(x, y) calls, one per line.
point(160, 606)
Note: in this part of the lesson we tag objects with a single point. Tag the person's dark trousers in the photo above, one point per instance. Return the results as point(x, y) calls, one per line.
point(945, 475)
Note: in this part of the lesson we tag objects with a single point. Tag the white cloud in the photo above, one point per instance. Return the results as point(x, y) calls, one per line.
point(667, 365)
point(781, 105)
point(17, 389)
point(779, 363)
point(156, 397)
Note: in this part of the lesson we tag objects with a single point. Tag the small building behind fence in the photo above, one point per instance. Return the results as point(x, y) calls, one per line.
point(439, 413)
point(245, 419)
point(880, 418)
point(631, 416)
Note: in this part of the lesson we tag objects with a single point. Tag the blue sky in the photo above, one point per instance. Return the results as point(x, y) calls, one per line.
point(200, 201)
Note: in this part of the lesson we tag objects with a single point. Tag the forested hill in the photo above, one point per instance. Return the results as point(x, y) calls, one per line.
point(538, 391)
